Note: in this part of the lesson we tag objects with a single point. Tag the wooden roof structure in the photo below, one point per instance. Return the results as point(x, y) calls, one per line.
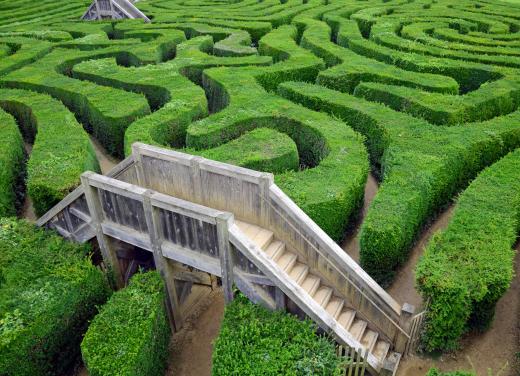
point(113, 9)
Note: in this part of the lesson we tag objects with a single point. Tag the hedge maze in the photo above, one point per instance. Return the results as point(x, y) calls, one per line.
point(423, 93)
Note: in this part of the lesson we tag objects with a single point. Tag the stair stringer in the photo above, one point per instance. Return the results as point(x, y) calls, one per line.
point(297, 294)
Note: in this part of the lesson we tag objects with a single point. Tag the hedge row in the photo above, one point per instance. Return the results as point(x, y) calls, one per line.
point(106, 111)
point(12, 162)
point(443, 109)
point(130, 334)
point(177, 101)
point(330, 187)
point(23, 51)
point(262, 149)
point(469, 266)
point(422, 167)
point(61, 150)
point(255, 341)
point(348, 69)
point(48, 292)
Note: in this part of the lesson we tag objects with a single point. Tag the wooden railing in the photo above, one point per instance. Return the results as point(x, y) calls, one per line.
point(254, 198)
point(182, 208)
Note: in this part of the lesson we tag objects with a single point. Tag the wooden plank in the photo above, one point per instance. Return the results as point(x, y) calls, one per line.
point(108, 253)
point(224, 221)
point(127, 235)
point(192, 258)
point(182, 273)
point(162, 265)
point(254, 293)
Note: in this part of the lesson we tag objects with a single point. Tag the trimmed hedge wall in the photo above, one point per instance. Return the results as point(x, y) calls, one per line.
point(12, 162)
point(49, 290)
point(255, 341)
point(423, 166)
point(262, 149)
point(469, 266)
point(61, 151)
point(130, 335)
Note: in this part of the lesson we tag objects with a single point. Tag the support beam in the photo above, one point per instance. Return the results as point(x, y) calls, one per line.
point(108, 252)
point(162, 265)
point(224, 222)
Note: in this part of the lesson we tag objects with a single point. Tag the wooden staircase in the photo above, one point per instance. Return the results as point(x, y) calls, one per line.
point(299, 272)
point(235, 224)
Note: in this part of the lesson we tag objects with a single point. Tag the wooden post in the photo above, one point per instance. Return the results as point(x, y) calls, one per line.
point(224, 221)
point(96, 213)
point(279, 298)
point(405, 321)
point(163, 266)
point(265, 182)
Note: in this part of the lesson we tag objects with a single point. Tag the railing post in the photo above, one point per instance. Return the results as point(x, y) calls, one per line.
point(163, 266)
point(138, 162)
point(224, 222)
point(96, 213)
point(196, 180)
point(405, 322)
point(265, 182)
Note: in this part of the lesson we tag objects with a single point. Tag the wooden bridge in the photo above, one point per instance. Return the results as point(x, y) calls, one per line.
point(198, 217)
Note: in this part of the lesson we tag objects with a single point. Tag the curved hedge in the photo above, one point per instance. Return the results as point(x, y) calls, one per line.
point(467, 267)
point(255, 341)
point(49, 290)
point(11, 160)
point(130, 334)
point(61, 151)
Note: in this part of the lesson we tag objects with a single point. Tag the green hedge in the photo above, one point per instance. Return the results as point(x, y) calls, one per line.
point(329, 186)
point(48, 292)
point(104, 111)
point(467, 267)
point(61, 150)
point(255, 341)
point(130, 335)
point(436, 372)
point(423, 166)
point(12, 162)
point(262, 149)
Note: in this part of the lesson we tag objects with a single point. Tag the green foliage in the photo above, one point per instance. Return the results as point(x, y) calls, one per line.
point(48, 292)
point(11, 160)
point(61, 150)
point(130, 334)
point(262, 149)
point(469, 266)
point(255, 341)
point(436, 372)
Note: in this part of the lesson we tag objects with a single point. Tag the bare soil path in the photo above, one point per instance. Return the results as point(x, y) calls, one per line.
point(191, 348)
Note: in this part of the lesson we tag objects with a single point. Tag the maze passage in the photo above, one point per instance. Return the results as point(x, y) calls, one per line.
point(423, 93)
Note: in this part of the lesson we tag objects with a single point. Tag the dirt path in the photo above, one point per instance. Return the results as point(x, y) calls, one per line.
point(351, 242)
point(403, 287)
point(191, 348)
point(106, 161)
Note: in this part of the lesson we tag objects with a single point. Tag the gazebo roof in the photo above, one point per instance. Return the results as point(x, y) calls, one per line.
point(113, 9)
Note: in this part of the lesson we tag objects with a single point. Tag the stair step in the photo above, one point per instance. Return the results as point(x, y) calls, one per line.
point(346, 318)
point(358, 328)
point(334, 307)
point(260, 236)
point(311, 284)
point(369, 339)
point(381, 349)
point(287, 261)
point(275, 249)
point(263, 238)
point(299, 272)
point(323, 295)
